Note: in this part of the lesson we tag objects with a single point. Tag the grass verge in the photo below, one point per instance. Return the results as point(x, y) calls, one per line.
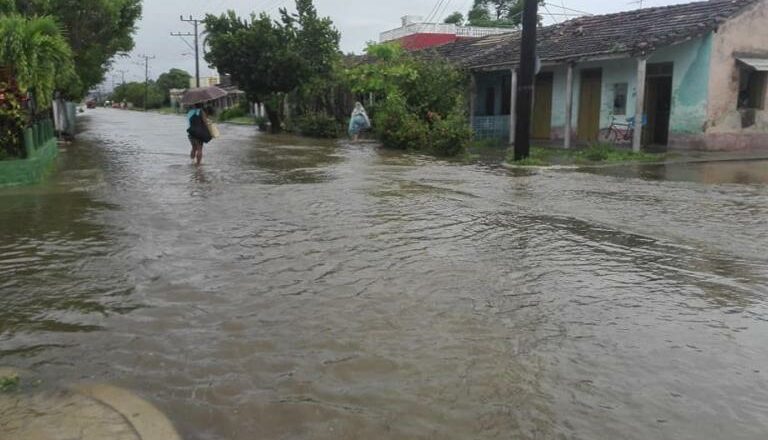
point(592, 155)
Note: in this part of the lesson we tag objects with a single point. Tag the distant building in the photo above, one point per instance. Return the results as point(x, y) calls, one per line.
point(414, 34)
point(205, 81)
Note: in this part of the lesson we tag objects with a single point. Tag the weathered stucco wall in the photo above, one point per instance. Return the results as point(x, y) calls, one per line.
point(689, 87)
point(746, 34)
point(690, 80)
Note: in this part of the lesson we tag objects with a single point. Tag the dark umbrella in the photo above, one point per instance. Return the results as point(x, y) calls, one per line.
point(203, 94)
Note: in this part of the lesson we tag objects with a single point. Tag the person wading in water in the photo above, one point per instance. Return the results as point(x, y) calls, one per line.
point(198, 132)
point(358, 122)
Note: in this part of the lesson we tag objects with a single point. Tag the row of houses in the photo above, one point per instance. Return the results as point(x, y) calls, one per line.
point(696, 72)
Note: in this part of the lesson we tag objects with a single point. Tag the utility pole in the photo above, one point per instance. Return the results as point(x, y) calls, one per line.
point(122, 75)
point(146, 77)
point(526, 80)
point(195, 23)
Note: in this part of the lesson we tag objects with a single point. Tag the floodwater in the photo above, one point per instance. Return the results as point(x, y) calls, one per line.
point(296, 289)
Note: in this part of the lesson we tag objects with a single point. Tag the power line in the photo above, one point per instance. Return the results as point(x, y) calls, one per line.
point(195, 22)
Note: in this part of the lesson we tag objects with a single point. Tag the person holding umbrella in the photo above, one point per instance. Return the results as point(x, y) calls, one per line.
point(198, 130)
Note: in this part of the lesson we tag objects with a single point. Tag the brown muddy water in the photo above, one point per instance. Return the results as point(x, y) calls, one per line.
point(296, 289)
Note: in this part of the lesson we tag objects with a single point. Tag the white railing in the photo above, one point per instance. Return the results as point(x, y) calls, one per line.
point(440, 28)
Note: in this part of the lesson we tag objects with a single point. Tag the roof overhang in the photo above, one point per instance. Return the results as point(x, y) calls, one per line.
point(759, 64)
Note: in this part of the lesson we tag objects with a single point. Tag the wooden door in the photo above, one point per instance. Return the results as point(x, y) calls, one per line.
point(590, 99)
point(658, 105)
point(542, 107)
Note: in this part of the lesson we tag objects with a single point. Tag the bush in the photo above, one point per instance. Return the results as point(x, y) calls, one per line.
point(398, 128)
point(318, 125)
point(13, 119)
point(261, 122)
point(450, 136)
point(232, 113)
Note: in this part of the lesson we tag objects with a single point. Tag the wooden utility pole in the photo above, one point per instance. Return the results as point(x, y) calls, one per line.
point(195, 34)
point(146, 77)
point(526, 80)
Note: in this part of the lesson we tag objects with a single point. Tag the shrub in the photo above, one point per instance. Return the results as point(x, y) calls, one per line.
point(318, 125)
point(450, 136)
point(13, 119)
point(232, 113)
point(398, 128)
point(261, 122)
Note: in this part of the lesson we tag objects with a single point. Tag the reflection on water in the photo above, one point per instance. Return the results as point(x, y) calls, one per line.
point(290, 288)
point(735, 172)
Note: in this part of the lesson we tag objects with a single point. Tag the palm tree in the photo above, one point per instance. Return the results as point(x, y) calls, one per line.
point(38, 54)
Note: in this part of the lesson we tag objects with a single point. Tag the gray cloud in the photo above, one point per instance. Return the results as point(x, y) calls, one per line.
point(359, 22)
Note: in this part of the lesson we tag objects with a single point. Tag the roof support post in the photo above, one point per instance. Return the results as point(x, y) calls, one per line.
point(512, 112)
point(472, 99)
point(569, 106)
point(637, 140)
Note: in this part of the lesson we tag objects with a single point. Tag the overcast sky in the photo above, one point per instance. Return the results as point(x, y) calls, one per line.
point(358, 20)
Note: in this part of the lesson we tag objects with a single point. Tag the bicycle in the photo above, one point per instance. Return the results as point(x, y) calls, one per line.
point(618, 132)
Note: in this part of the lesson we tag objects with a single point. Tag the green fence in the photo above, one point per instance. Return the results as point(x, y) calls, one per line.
point(42, 149)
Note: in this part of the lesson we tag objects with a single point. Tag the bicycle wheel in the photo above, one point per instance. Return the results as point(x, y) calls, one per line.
point(608, 135)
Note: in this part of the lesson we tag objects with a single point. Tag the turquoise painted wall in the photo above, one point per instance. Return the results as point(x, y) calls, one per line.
point(690, 87)
point(690, 83)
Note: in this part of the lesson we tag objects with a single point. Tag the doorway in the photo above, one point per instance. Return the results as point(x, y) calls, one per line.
point(590, 99)
point(542, 106)
point(658, 104)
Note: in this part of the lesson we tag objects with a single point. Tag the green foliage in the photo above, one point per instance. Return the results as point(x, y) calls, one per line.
point(592, 154)
point(173, 79)
point(232, 113)
point(423, 101)
point(496, 13)
point(261, 122)
point(451, 135)
point(399, 128)
point(13, 120)
point(37, 52)
point(602, 152)
point(9, 383)
point(269, 59)
point(96, 31)
point(134, 93)
point(318, 125)
point(456, 18)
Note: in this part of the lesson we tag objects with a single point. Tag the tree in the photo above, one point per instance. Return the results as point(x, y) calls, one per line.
point(497, 13)
point(269, 59)
point(456, 18)
point(37, 57)
point(97, 31)
point(173, 79)
point(133, 92)
point(38, 54)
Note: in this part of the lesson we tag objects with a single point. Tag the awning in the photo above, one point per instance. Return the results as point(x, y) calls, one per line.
point(759, 64)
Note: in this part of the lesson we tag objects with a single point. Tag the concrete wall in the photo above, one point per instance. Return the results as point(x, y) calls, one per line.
point(745, 34)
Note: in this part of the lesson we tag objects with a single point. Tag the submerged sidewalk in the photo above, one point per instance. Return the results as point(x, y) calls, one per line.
point(82, 412)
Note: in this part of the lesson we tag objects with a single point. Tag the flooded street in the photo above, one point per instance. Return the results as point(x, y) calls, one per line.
point(299, 289)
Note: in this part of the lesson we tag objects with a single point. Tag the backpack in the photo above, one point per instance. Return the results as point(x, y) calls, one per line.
point(198, 129)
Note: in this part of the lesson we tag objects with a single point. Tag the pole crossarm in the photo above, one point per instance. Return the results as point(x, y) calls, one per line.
point(196, 47)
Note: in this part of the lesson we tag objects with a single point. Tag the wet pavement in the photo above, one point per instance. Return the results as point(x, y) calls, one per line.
point(300, 289)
